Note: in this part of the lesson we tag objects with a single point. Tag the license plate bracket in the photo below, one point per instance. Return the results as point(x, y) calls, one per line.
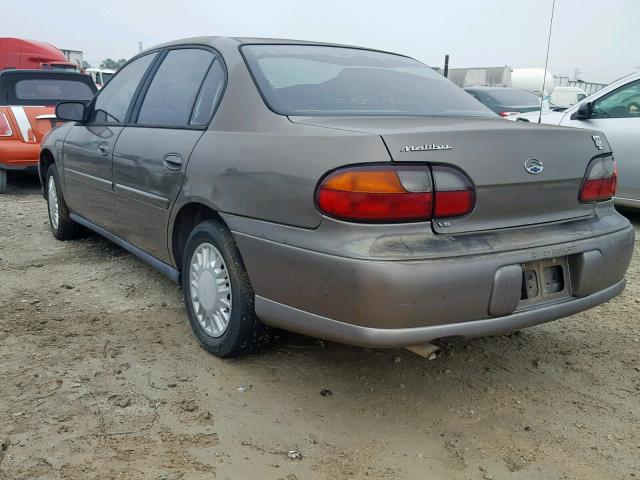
point(545, 280)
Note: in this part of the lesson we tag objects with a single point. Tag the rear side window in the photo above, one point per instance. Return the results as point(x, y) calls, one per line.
point(176, 86)
point(53, 89)
point(514, 97)
point(209, 95)
point(113, 101)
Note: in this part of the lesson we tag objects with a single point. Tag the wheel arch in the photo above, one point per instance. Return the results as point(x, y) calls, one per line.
point(187, 217)
point(45, 160)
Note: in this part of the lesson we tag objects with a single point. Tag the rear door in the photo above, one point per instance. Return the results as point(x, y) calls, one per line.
point(88, 169)
point(617, 114)
point(152, 152)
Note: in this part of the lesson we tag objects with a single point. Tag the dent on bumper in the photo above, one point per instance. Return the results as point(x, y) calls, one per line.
point(289, 318)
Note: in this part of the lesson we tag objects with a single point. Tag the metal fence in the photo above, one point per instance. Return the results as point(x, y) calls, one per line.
point(588, 87)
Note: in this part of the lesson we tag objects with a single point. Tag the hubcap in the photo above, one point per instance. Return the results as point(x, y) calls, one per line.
point(52, 195)
point(210, 289)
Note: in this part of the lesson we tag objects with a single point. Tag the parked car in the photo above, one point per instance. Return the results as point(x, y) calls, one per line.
point(100, 76)
point(615, 110)
point(564, 97)
point(504, 101)
point(340, 192)
point(18, 53)
point(27, 104)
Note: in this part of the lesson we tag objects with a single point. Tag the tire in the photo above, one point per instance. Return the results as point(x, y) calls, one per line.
point(62, 227)
point(3, 181)
point(224, 321)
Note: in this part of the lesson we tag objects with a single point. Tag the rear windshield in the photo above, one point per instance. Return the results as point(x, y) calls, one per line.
point(330, 81)
point(514, 97)
point(52, 89)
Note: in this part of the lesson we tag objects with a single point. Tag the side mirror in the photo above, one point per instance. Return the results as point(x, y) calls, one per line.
point(583, 112)
point(71, 111)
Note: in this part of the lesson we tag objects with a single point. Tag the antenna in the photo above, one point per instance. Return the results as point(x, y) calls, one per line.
point(546, 61)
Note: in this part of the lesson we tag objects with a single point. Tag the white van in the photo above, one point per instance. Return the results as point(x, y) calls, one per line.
point(100, 76)
point(564, 97)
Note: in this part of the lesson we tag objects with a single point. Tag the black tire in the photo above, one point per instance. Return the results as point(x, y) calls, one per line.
point(3, 181)
point(245, 333)
point(66, 229)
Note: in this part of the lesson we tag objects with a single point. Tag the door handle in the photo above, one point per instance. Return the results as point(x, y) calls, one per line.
point(172, 161)
point(104, 149)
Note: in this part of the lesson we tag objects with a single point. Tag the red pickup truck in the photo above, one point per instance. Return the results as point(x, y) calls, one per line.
point(27, 112)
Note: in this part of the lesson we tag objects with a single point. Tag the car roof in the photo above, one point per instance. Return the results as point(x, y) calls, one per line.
point(38, 73)
point(502, 89)
point(214, 41)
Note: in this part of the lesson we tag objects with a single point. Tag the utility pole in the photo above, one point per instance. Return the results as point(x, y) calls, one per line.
point(139, 47)
point(446, 66)
point(576, 74)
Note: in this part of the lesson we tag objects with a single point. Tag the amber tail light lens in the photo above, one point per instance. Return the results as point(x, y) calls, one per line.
point(600, 181)
point(392, 194)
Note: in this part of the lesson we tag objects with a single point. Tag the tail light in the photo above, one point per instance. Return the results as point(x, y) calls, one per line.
point(5, 128)
point(508, 114)
point(600, 181)
point(394, 194)
point(454, 194)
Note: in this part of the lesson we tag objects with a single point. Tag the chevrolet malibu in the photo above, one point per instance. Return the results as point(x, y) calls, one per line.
point(345, 193)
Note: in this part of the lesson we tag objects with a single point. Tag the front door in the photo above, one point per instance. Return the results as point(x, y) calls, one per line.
point(152, 152)
point(88, 149)
point(617, 114)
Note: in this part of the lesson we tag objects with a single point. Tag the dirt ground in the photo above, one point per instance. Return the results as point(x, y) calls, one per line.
point(101, 377)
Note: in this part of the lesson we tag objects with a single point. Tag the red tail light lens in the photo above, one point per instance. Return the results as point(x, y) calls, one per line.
point(508, 114)
point(454, 195)
point(5, 128)
point(600, 181)
point(394, 194)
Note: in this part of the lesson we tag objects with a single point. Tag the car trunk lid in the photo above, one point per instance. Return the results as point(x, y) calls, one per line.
point(492, 152)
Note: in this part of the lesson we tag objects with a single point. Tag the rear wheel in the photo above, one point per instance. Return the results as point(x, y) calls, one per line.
point(62, 227)
point(218, 295)
point(3, 181)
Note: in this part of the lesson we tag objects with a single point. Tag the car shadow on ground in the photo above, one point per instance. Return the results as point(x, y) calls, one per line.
point(20, 183)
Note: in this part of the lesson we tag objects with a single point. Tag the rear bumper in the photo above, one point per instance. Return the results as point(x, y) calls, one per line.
point(400, 303)
point(288, 318)
point(17, 155)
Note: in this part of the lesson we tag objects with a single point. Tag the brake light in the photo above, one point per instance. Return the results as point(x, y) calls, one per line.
point(508, 114)
point(600, 181)
point(5, 128)
point(393, 194)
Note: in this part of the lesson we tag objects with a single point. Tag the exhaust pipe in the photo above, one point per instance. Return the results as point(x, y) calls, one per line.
point(426, 350)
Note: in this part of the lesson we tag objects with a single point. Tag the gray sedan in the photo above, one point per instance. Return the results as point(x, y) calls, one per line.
point(346, 193)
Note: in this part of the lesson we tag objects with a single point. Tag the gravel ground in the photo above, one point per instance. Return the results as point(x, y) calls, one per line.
point(101, 377)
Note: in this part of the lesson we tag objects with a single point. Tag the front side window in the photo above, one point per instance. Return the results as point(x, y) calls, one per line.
point(53, 89)
point(113, 101)
point(170, 98)
point(318, 80)
point(621, 103)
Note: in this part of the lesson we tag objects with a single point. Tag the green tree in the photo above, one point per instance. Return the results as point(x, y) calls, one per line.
point(112, 64)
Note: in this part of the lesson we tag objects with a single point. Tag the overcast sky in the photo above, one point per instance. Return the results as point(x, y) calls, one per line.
point(601, 38)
